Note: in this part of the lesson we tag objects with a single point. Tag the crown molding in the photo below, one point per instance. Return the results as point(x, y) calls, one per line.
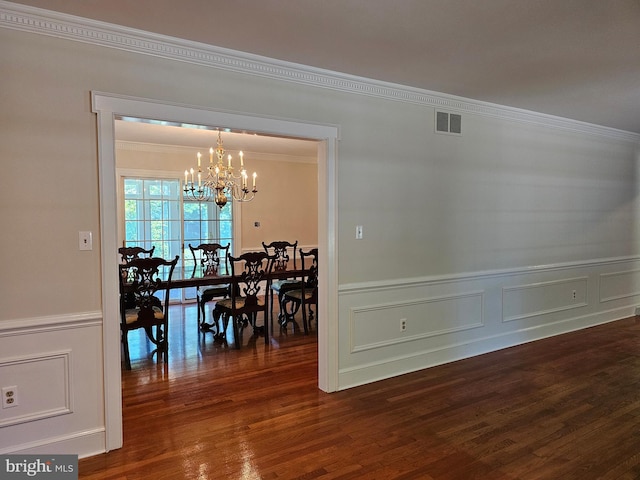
point(45, 22)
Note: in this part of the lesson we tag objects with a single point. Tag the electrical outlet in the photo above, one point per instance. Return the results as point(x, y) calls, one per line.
point(574, 294)
point(403, 324)
point(10, 397)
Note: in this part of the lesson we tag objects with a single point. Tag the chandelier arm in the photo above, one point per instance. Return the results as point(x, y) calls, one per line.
point(220, 182)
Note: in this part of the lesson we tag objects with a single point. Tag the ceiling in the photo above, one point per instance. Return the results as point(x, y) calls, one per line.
point(203, 137)
point(578, 59)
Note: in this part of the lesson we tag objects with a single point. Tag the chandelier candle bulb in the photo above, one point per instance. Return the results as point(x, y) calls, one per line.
point(220, 182)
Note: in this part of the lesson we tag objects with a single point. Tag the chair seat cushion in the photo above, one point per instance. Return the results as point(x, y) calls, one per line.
point(297, 294)
point(227, 303)
point(131, 315)
point(277, 285)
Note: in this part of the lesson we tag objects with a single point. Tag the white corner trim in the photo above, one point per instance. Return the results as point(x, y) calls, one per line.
point(69, 27)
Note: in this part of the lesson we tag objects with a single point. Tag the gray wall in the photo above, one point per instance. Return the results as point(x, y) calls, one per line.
point(515, 230)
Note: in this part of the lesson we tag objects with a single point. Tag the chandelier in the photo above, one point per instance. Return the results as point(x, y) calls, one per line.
point(219, 181)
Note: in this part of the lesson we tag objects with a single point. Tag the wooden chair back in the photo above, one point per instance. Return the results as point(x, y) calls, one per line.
point(283, 252)
point(212, 257)
point(248, 273)
point(310, 266)
point(129, 253)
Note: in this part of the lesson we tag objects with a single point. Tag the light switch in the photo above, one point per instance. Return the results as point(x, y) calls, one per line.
point(358, 232)
point(85, 241)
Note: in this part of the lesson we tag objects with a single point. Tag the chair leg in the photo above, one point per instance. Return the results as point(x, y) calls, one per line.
point(159, 339)
point(289, 310)
point(165, 341)
point(271, 312)
point(304, 318)
point(203, 326)
point(266, 330)
point(220, 323)
point(125, 345)
point(236, 332)
point(282, 314)
point(200, 307)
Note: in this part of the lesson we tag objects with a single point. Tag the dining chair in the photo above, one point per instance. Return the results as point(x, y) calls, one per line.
point(126, 255)
point(129, 253)
point(249, 271)
point(306, 296)
point(147, 279)
point(213, 259)
point(284, 254)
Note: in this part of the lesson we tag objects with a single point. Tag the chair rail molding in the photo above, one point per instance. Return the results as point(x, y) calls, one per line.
point(25, 326)
point(348, 288)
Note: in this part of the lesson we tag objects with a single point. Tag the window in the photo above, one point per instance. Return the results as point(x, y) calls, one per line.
point(152, 215)
point(156, 214)
point(205, 222)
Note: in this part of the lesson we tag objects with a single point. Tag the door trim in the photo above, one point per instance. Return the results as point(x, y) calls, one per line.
point(107, 106)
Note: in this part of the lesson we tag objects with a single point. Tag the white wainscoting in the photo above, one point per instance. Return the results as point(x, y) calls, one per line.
point(451, 317)
point(619, 285)
point(50, 372)
point(56, 364)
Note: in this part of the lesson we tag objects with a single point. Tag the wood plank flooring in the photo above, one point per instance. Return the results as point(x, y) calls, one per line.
point(565, 408)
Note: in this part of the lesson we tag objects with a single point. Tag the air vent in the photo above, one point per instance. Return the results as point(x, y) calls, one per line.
point(448, 123)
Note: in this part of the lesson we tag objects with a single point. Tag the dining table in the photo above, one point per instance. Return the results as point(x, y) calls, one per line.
point(197, 276)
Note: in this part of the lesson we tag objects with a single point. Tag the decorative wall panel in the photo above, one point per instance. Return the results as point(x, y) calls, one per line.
point(33, 376)
point(398, 322)
point(619, 285)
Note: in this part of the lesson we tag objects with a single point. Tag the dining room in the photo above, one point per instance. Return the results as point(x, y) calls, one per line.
point(155, 162)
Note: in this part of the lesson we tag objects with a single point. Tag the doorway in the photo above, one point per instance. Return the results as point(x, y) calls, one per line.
point(107, 107)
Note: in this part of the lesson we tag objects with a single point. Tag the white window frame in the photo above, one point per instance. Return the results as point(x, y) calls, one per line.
point(122, 173)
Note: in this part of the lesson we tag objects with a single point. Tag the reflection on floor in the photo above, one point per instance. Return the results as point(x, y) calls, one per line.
point(189, 346)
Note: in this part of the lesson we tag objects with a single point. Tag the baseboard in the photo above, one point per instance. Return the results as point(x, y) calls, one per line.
point(84, 444)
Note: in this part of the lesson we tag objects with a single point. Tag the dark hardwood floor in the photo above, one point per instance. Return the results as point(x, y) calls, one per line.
point(565, 408)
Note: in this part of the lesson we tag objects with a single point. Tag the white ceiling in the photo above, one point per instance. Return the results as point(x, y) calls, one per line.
point(578, 59)
point(201, 138)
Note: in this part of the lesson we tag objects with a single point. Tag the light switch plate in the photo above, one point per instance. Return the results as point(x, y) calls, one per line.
point(85, 241)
